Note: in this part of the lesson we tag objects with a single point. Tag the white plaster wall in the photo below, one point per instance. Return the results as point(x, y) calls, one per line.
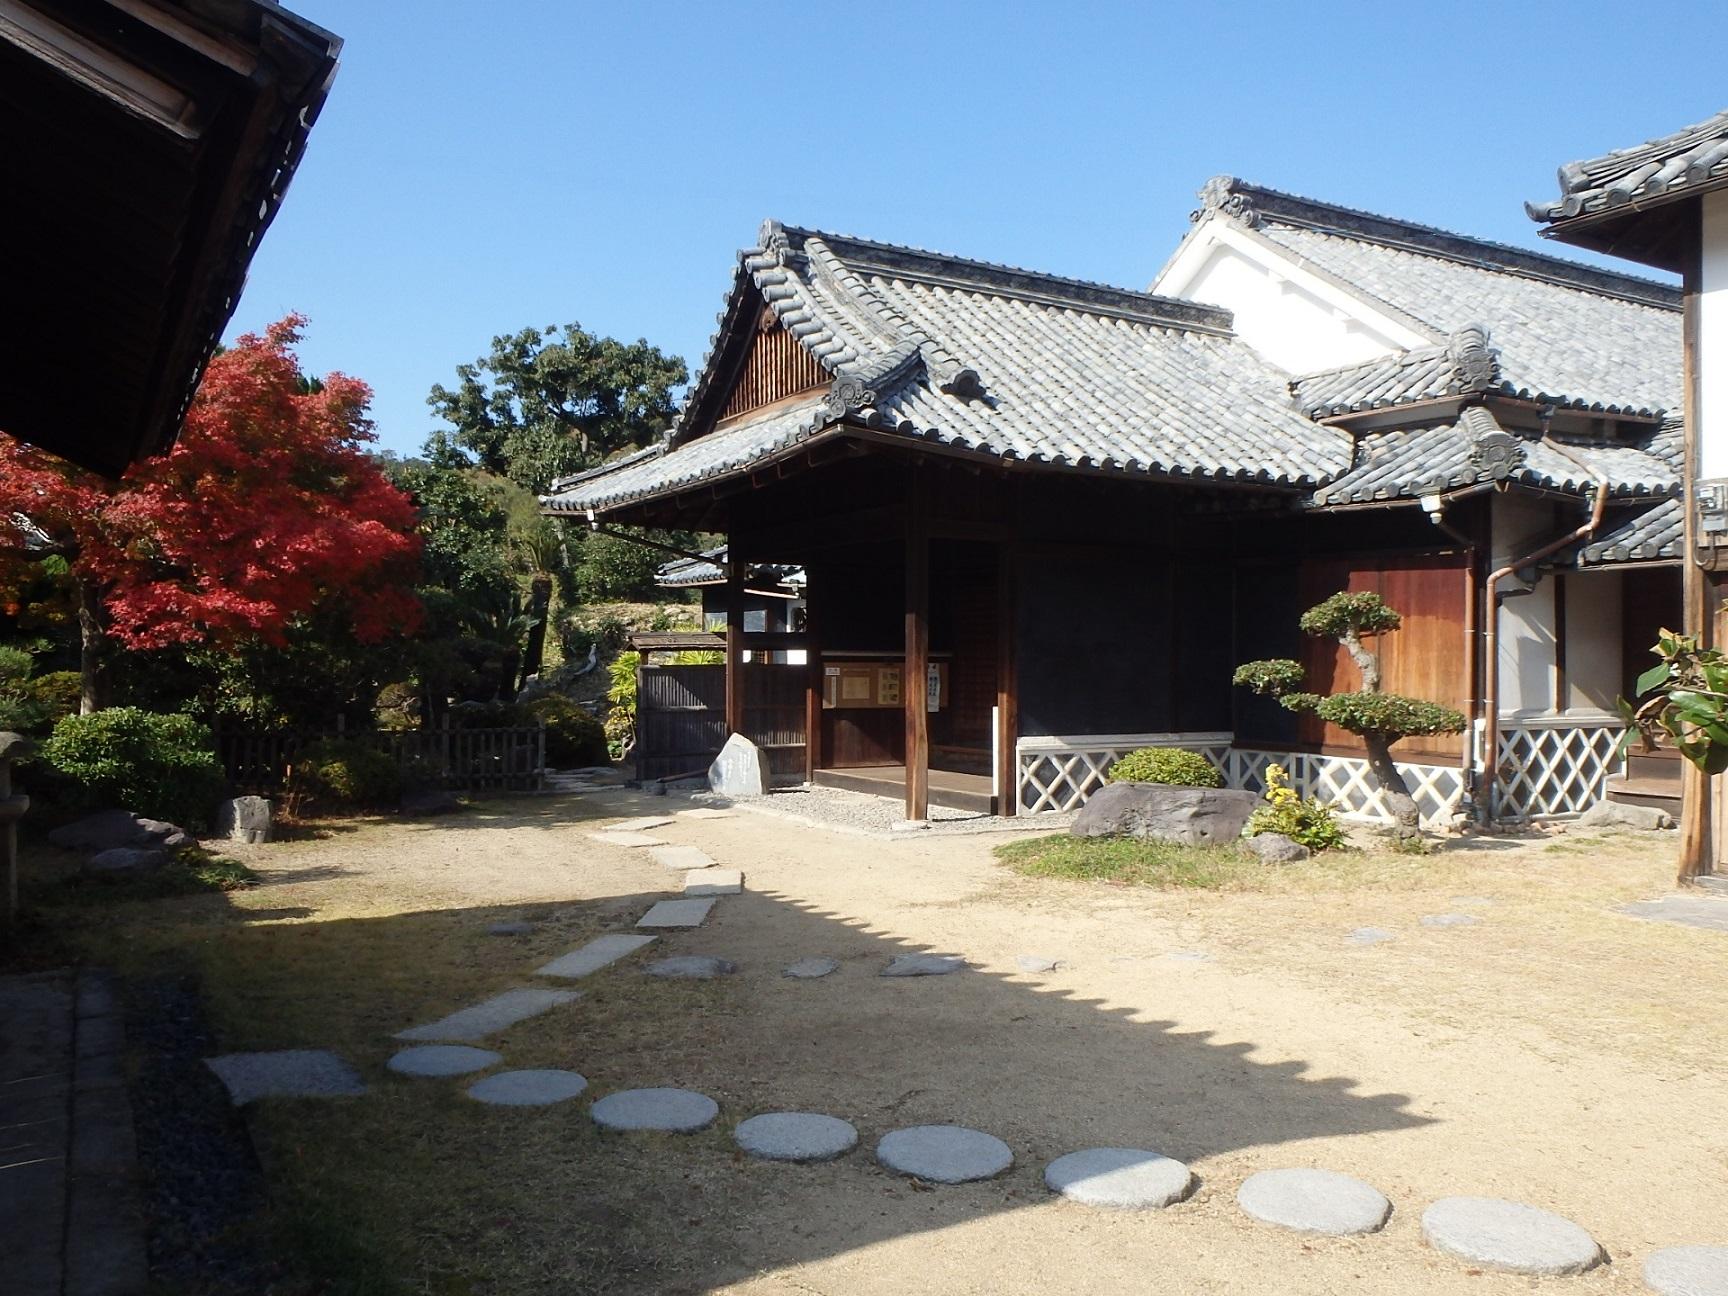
point(1526, 620)
point(1593, 644)
point(1712, 355)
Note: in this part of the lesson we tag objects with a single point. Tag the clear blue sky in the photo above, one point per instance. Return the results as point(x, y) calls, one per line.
point(482, 167)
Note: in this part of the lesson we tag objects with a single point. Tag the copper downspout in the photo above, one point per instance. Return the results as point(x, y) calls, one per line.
point(1491, 646)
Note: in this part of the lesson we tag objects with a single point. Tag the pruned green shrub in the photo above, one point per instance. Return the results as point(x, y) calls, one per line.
point(158, 766)
point(340, 772)
point(1310, 822)
point(575, 738)
point(1173, 765)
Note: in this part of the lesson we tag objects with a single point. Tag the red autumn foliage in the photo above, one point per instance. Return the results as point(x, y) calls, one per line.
point(265, 509)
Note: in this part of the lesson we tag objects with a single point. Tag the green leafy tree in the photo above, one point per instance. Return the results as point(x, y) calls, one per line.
point(1378, 719)
point(1685, 696)
point(548, 402)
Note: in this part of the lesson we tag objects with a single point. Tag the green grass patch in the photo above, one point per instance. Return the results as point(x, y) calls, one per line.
point(194, 871)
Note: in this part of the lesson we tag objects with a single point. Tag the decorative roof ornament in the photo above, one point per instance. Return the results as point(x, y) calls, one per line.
point(1474, 366)
point(1219, 194)
point(847, 396)
point(1496, 455)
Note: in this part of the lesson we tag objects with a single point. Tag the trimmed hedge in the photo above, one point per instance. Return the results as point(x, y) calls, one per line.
point(157, 766)
point(1173, 765)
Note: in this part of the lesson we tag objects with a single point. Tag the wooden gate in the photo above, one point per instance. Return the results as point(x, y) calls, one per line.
point(681, 718)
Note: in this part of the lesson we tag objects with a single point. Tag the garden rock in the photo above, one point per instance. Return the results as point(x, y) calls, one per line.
point(1509, 1235)
point(692, 967)
point(528, 1088)
point(675, 1111)
point(795, 1136)
point(244, 819)
point(425, 802)
point(1314, 1201)
point(1276, 848)
point(110, 829)
point(1123, 1178)
point(1688, 1271)
point(740, 770)
point(949, 1154)
point(919, 965)
point(439, 1060)
point(286, 1073)
point(808, 969)
point(1192, 816)
point(1612, 814)
point(124, 861)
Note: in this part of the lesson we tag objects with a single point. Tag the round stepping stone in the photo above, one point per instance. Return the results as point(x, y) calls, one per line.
point(527, 1088)
point(795, 1136)
point(692, 967)
point(443, 1060)
point(1450, 920)
point(1314, 1201)
point(680, 1111)
point(1034, 963)
point(807, 969)
point(914, 965)
point(1688, 1271)
point(1121, 1178)
point(510, 929)
point(950, 1154)
point(1371, 936)
point(1508, 1235)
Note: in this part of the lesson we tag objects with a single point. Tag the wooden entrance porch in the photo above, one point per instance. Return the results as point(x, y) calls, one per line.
point(947, 788)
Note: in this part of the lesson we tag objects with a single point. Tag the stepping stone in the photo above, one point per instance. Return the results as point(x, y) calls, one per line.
point(527, 1088)
point(795, 1136)
point(1688, 1271)
point(916, 965)
point(1190, 956)
point(1473, 902)
point(1450, 920)
point(677, 913)
point(593, 956)
point(1033, 963)
point(705, 812)
point(510, 929)
point(287, 1073)
point(692, 967)
point(713, 882)
point(491, 1015)
point(1314, 1201)
point(808, 969)
point(682, 857)
point(677, 1111)
point(625, 839)
point(641, 825)
point(950, 1154)
point(1371, 936)
point(1508, 1235)
point(1120, 1178)
point(1708, 912)
point(442, 1060)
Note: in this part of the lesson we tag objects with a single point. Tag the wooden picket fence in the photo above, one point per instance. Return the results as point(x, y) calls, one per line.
point(458, 760)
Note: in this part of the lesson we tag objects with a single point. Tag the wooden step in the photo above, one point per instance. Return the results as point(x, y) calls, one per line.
point(1661, 765)
point(1659, 794)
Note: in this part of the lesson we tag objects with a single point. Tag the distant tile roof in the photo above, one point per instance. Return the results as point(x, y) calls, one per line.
point(1408, 462)
point(1646, 535)
point(1660, 170)
point(1563, 332)
point(1000, 362)
point(1464, 364)
point(686, 573)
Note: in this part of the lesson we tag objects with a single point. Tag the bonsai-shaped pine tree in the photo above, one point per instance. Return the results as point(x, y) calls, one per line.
point(1379, 719)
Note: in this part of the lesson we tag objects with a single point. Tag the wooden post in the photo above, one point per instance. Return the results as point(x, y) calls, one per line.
point(13, 747)
point(812, 682)
point(1007, 707)
point(913, 692)
point(1695, 851)
point(734, 639)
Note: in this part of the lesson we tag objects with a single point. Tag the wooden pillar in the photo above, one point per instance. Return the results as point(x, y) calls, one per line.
point(812, 680)
point(1007, 695)
point(1695, 848)
point(913, 690)
point(734, 639)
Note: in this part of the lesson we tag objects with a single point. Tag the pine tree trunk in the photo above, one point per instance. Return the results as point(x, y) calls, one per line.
point(92, 651)
point(539, 607)
point(1406, 819)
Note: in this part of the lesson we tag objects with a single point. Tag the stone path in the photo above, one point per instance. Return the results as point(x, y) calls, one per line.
point(642, 825)
point(691, 967)
point(1450, 920)
point(713, 882)
point(1036, 963)
point(705, 812)
point(674, 1111)
point(1708, 912)
point(491, 1015)
point(286, 1073)
point(795, 1136)
point(441, 1060)
point(1120, 1178)
point(1688, 1271)
point(682, 857)
point(634, 839)
point(808, 969)
point(593, 956)
point(1509, 1235)
point(950, 1154)
point(527, 1088)
point(677, 913)
point(1370, 936)
point(1314, 1201)
point(919, 965)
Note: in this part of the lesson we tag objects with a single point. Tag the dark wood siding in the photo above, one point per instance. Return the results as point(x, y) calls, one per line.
point(777, 367)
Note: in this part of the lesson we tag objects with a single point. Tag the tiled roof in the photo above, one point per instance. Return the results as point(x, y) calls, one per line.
point(1409, 462)
point(1646, 535)
point(999, 362)
point(1564, 332)
point(1464, 364)
point(685, 573)
point(1672, 167)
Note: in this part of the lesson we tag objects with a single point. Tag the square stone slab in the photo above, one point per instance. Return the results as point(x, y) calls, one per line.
point(641, 825)
point(705, 812)
point(491, 1015)
point(1708, 912)
point(677, 913)
point(713, 882)
point(625, 839)
point(593, 956)
point(682, 857)
point(289, 1073)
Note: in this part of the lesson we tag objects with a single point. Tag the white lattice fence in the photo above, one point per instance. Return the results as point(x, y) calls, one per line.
point(1346, 783)
point(1551, 768)
point(1059, 773)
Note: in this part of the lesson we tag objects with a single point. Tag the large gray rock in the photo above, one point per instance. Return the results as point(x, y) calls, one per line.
point(1612, 814)
point(124, 862)
point(1276, 848)
point(1509, 1235)
point(1193, 816)
point(1314, 1201)
point(740, 770)
point(1120, 1178)
point(949, 1154)
point(1688, 1271)
point(244, 819)
point(110, 829)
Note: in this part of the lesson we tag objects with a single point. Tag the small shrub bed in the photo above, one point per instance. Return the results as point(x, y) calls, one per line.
point(157, 766)
point(1172, 765)
point(1310, 822)
point(344, 773)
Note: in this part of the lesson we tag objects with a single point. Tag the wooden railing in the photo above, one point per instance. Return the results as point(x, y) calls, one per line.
point(460, 760)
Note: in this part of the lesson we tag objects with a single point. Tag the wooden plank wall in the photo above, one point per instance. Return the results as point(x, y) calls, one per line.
point(777, 367)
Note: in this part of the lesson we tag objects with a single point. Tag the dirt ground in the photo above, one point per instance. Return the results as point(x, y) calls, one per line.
point(1555, 1052)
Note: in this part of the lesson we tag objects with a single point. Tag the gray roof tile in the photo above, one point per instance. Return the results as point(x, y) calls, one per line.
point(1671, 167)
point(1646, 535)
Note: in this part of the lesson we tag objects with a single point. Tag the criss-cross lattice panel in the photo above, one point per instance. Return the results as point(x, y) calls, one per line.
point(1060, 773)
point(1551, 770)
point(1247, 770)
point(1348, 784)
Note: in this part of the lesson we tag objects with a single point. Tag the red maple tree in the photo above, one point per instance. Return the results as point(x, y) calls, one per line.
point(266, 509)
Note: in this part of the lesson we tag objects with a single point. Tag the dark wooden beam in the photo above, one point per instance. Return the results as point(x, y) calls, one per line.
point(913, 691)
point(1007, 692)
point(1697, 854)
point(812, 677)
point(735, 639)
